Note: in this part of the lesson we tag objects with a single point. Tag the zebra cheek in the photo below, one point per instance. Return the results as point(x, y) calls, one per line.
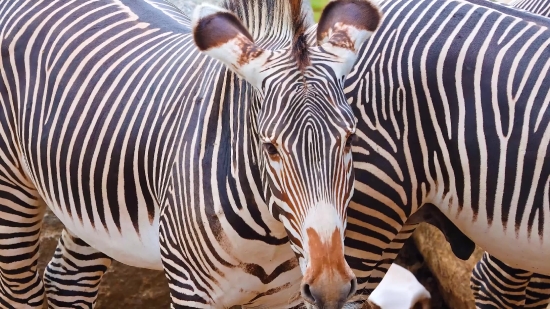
point(348, 158)
point(275, 168)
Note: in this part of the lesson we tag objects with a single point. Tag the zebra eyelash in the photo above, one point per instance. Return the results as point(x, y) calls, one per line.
point(271, 149)
point(352, 138)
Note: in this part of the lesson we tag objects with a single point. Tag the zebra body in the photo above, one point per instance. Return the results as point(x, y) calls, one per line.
point(153, 56)
point(495, 284)
point(52, 125)
point(433, 133)
point(152, 153)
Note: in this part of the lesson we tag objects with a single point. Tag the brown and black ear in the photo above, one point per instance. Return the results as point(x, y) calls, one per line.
point(213, 27)
point(221, 35)
point(348, 23)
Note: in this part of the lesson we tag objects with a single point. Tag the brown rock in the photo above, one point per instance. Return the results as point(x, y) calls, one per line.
point(452, 274)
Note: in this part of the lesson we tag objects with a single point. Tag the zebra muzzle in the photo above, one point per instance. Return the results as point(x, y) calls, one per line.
point(328, 280)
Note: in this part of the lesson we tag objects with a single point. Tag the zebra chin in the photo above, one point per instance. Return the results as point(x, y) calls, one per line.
point(328, 281)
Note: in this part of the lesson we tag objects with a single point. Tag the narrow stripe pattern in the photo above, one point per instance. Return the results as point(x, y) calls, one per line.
point(452, 99)
point(79, 78)
point(535, 294)
point(153, 154)
point(75, 267)
point(497, 285)
point(507, 287)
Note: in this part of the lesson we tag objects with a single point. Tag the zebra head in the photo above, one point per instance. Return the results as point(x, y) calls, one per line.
point(305, 128)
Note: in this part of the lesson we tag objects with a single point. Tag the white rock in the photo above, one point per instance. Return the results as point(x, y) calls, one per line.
point(400, 290)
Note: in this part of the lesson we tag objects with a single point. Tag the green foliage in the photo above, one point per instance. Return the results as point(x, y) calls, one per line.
point(318, 6)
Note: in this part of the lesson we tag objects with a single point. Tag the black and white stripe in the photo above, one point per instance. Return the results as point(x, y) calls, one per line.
point(113, 119)
point(399, 170)
point(446, 92)
point(497, 285)
point(493, 291)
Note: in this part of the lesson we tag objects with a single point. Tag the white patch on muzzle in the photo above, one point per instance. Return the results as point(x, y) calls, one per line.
point(324, 219)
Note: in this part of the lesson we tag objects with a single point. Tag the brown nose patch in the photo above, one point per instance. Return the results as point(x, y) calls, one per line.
point(326, 258)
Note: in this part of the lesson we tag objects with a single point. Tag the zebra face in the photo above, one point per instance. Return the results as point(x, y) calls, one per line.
point(305, 127)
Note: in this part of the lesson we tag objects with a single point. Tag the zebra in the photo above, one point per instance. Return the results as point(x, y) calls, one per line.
point(363, 246)
point(358, 222)
point(203, 147)
point(494, 283)
point(433, 92)
point(497, 285)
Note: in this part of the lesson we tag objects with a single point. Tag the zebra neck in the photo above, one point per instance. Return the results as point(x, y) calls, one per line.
point(233, 163)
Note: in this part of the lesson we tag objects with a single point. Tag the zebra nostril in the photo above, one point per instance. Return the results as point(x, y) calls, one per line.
point(352, 288)
point(306, 294)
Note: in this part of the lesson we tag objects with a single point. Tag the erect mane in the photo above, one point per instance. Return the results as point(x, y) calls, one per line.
point(300, 50)
point(275, 24)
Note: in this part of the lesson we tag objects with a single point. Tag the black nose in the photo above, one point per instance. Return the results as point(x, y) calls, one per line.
point(329, 297)
point(306, 294)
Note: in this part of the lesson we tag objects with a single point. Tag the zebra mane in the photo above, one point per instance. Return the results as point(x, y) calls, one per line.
point(275, 24)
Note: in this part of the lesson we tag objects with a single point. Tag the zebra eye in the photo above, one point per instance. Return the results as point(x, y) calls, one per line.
point(271, 149)
point(349, 141)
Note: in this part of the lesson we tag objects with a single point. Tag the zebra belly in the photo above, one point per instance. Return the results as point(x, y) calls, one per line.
point(124, 246)
point(244, 288)
point(518, 249)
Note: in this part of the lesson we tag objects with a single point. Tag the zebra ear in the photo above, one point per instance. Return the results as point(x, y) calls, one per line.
point(344, 26)
point(219, 34)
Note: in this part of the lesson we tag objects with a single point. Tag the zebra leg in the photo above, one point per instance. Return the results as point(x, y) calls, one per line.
point(73, 275)
point(497, 285)
point(389, 255)
point(537, 295)
point(21, 214)
point(381, 268)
